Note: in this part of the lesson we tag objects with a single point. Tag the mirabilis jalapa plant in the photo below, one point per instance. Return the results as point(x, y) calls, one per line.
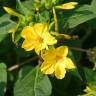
point(41, 34)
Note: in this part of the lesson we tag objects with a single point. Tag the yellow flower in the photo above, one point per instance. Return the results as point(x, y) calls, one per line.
point(37, 37)
point(56, 61)
point(70, 5)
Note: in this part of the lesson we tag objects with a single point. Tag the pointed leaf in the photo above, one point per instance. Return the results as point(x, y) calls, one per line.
point(23, 9)
point(79, 16)
point(33, 84)
point(3, 79)
point(5, 26)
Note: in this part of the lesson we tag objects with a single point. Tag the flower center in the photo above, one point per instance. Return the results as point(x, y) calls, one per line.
point(39, 40)
point(58, 58)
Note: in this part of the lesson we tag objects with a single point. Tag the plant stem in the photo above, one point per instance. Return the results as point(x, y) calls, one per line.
point(16, 66)
point(80, 49)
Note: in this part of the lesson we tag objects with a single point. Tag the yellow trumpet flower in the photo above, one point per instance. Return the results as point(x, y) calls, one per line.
point(66, 6)
point(56, 61)
point(37, 37)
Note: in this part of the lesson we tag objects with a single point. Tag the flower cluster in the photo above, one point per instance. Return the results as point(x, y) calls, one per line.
point(55, 60)
point(37, 37)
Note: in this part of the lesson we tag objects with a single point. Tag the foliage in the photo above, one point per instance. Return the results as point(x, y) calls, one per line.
point(47, 48)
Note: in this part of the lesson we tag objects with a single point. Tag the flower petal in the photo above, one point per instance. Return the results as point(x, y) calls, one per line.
point(49, 55)
point(69, 63)
point(28, 45)
point(38, 47)
point(50, 40)
point(47, 67)
point(60, 71)
point(39, 28)
point(62, 51)
point(28, 33)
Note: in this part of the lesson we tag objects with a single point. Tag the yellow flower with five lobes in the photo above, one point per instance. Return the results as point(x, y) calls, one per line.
point(57, 62)
point(66, 6)
point(37, 37)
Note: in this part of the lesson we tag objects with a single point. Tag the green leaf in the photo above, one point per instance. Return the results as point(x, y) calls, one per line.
point(33, 84)
point(5, 25)
point(92, 22)
point(91, 82)
point(91, 79)
point(79, 16)
point(4, 17)
point(24, 71)
point(93, 6)
point(44, 16)
point(3, 79)
point(29, 4)
point(90, 76)
point(23, 9)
